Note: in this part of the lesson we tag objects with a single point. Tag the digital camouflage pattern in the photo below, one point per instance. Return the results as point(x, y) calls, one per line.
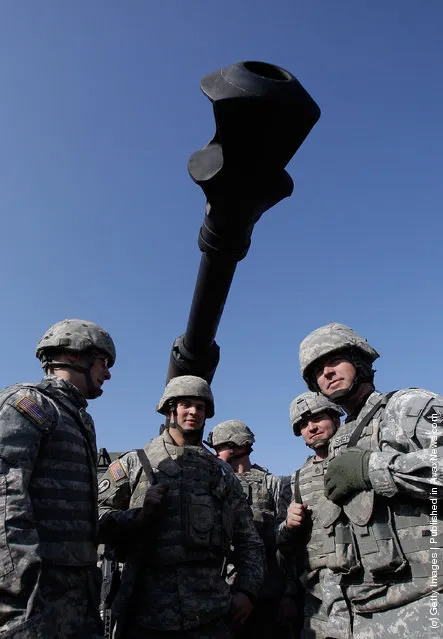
point(220, 629)
point(187, 386)
point(173, 581)
point(416, 620)
point(232, 431)
point(65, 606)
point(308, 404)
point(388, 565)
point(262, 491)
point(325, 611)
point(48, 495)
point(327, 340)
point(76, 335)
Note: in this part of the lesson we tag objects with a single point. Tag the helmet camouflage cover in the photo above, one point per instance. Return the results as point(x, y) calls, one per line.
point(233, 431)
point(308, 404)
point(327, 340)
point(187, 386)
point(76, 335)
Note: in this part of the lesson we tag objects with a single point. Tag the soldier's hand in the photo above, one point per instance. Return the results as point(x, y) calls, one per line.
point(241, 607)
point(296, 515)
point(153, 499)
point(347, 473)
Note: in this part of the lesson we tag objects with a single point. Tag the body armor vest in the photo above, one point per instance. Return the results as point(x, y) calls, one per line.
point(261, 502)
point(386, 540)
point(63, 486)
point(310, 482)
point(198, 522)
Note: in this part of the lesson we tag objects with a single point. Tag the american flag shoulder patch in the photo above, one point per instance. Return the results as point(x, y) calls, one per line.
point(117, 471)
point(26, 405)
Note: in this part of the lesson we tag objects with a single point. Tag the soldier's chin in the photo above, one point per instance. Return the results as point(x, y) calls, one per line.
point(94, 393)
point(192, 432)
point(341, 393)
point(319, 443)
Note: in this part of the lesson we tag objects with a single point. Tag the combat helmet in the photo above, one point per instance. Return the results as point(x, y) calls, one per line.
point(186, 386)
point(330, 339)
point(308, 404)
point(231, 432)
point(75, 335)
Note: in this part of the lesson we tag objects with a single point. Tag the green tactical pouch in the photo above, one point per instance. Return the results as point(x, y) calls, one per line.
point(339, 549)
point(378, 544)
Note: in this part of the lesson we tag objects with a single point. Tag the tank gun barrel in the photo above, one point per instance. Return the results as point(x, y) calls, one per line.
point(262, 115)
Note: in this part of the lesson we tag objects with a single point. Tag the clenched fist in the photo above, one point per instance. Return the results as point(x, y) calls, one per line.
point(153, 498)
point(296, 515)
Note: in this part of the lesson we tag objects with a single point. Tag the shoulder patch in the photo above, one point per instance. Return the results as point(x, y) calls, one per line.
point(117, 471)
point(435, 415)
point(26, 405)
point(103, 485)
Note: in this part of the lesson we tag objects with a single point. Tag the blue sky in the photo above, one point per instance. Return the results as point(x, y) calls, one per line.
point(100, 111)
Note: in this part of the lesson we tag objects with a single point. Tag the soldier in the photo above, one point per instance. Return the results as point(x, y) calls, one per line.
point(172, 511)
point(301, 533)
point(49, 580)
point(232, 441)
point(383, 479)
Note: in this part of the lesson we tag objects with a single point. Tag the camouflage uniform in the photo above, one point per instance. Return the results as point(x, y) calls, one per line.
point(389, 551)
point(384, 539)
point(325, 611)
point(173, 584)
point(49, 584)
point(262, 490)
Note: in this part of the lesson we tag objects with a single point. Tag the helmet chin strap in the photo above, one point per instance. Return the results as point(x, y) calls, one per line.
point(319, 443)
point(245, 453)
point(344, 393)
point(233, 455)
point(363, 373)
point(92, 391)
point(190, 436)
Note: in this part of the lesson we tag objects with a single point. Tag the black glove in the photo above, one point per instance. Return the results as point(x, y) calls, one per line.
point(347, 473)
point(154, 497)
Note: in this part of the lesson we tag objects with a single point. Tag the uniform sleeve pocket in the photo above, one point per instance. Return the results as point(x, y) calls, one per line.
point(6, 565)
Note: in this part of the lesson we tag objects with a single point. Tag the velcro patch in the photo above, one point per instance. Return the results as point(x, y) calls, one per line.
point(117, 471)
point(435, 415)
point(103, 485)
point(34, 411)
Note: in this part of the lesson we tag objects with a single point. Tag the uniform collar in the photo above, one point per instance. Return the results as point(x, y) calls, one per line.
point(369, 402)
point(167, 437)
point(66, 388)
